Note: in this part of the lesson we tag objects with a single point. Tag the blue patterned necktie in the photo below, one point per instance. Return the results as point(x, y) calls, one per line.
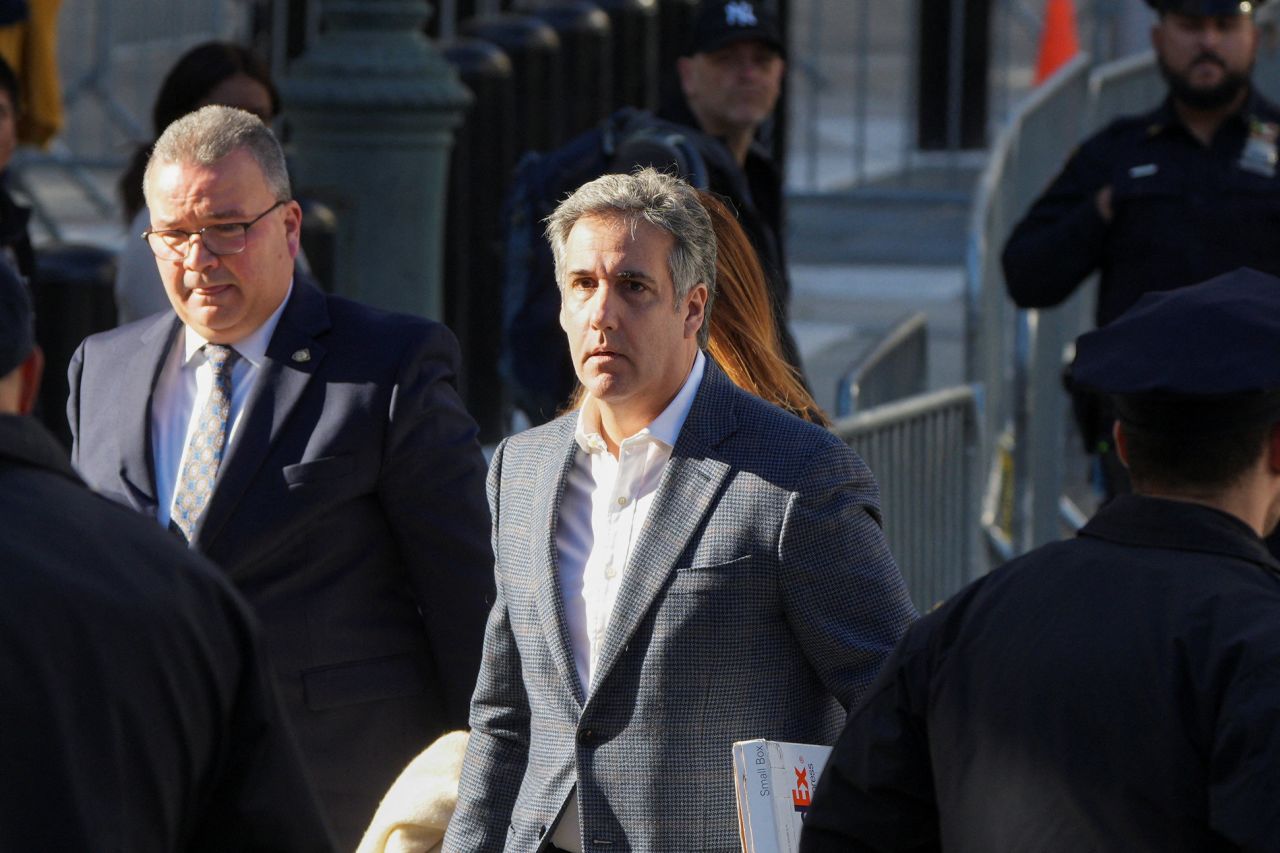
point(208, 440)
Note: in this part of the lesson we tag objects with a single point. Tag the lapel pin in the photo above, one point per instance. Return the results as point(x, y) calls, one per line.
point(302, 356)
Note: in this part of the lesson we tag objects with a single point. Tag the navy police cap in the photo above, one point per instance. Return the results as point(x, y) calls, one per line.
point(17, 320)
point(1213, 340)
point(1206, 8)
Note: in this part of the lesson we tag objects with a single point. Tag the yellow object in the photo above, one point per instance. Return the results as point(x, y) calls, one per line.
point(30, 48)
point(416, 809)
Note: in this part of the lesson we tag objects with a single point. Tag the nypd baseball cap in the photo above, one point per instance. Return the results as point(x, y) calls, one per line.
point(723, 22)
point(17, 320)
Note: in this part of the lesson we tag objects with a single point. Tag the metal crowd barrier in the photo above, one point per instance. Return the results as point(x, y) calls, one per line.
point(923, 451)
point(896, 367)
point(1003, 351)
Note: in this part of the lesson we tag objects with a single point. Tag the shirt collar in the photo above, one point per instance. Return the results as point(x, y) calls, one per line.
point(665, 428)
point(252, 348)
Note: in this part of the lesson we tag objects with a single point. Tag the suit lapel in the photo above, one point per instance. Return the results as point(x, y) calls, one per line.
point(137, 462)
point(560, 458)
point(275, 394)
point(689, 488)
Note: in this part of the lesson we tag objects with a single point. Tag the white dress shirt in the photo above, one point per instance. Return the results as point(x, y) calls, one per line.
point(605, 504)
point(180, 395)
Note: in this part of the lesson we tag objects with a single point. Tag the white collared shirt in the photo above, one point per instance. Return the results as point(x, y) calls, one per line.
point(605, 504)
point(180, 394)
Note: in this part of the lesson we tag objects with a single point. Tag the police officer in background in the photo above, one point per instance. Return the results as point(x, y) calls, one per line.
point(1166, 199)
point(1172, 197)
point(1121, 690)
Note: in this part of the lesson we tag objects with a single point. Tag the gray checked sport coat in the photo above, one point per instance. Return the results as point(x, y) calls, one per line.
point(760, 601)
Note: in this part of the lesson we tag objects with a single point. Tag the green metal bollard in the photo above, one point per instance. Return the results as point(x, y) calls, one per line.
point(372, 106)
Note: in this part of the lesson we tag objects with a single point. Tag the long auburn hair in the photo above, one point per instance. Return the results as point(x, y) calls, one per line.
point(744, 338)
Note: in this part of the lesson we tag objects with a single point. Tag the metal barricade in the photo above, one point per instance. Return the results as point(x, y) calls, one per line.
point(923, 452)
point(1003, 353)
point(1124, 87)
point(1046, 138)
point(895, 367)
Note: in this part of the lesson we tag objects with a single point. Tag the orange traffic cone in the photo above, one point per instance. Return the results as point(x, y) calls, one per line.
point(1059, 42)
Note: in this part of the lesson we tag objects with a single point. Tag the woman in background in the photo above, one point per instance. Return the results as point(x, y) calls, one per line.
point(15, 244)
point(210, 73)
point(744, 339)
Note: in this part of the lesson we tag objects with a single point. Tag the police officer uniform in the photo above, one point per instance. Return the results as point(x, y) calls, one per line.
point(1118, 691)
point(1183, 212)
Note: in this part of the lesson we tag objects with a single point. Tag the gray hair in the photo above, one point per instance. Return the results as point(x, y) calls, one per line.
point(665, 202)
point(205, 136)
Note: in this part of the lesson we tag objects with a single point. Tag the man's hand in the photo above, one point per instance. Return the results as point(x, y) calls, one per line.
point(1103, 201)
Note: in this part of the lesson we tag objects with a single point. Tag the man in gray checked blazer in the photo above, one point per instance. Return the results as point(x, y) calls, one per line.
point(680, 565)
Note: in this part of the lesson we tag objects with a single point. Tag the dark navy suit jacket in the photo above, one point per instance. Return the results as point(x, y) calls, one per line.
point(349, 510)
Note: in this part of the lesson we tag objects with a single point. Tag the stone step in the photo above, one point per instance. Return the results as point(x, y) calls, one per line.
point(916, 219)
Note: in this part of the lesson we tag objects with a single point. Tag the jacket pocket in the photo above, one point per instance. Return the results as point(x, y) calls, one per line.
point(319, 470)
point(362, 681)
point(694, 579)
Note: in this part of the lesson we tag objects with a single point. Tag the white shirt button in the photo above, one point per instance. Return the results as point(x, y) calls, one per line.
point(622, 501)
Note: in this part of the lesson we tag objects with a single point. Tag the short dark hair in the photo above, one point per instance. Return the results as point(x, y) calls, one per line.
point(198, 72)
point(1189, 461)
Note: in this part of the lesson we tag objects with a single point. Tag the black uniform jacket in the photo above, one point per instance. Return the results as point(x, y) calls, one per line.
point(136, 708)
point(1183, 212)
point(1116, 692)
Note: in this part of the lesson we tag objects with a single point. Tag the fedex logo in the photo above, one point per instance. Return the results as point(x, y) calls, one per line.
point(801, 794)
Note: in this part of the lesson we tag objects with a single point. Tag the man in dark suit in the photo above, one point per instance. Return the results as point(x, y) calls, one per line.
point(680, 565)
point(1120, 690)
point(137, 710)
point(312, 447)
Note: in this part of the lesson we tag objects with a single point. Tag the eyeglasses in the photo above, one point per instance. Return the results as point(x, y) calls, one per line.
point(224, 238)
